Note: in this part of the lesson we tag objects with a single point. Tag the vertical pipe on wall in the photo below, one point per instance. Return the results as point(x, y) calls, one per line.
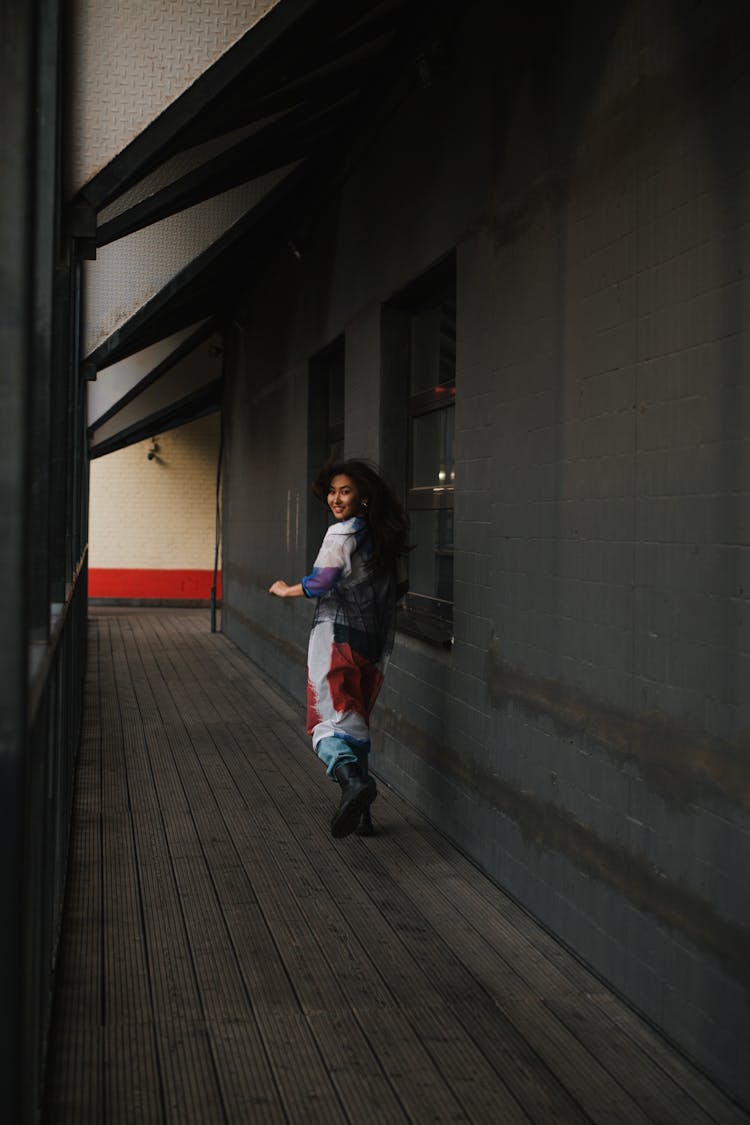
point(217, 547)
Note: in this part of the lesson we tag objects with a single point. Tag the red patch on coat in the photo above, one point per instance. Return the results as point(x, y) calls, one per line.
point(313, 714)
point(353, 681)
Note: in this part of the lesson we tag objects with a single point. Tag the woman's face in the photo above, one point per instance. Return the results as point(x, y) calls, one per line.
point(343, 497)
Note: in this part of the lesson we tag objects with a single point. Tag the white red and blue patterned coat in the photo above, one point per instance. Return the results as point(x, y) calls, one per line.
point(351, 636)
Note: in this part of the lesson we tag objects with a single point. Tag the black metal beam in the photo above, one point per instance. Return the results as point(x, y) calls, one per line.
point(280, 143)
point(283, 43)
point(185, 348)
point(200, 289)
point(206, 400)
point(313, 68)
point(151, 322)
point(355, 40)
point(245, 103)
point(158, 139)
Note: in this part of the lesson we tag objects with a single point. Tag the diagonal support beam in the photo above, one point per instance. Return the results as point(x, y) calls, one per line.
point(147, 149)
point(281, 143)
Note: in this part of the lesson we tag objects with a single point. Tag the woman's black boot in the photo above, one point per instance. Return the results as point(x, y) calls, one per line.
point(357, 794)
point(365, 826)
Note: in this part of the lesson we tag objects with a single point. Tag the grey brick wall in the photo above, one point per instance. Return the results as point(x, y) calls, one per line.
point(586, 739)
point(363, 363)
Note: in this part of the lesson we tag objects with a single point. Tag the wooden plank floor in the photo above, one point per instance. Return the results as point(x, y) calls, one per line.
point(224, 960)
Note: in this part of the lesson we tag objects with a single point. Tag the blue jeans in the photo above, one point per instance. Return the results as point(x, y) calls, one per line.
point(335, 751)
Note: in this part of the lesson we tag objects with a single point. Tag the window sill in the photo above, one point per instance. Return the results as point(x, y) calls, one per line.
point(433, 631)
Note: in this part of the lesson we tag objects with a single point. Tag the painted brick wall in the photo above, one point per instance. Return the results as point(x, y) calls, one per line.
point(152, 522)
point(586, 739)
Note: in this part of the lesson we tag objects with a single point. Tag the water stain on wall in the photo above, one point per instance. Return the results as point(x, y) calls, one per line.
point(681, 763)
point(546, 826)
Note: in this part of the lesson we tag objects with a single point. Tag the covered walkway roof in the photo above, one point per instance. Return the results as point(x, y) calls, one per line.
point(236, 166)
point(224, 960)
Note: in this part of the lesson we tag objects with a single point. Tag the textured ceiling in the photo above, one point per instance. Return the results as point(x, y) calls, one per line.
point(132, 58)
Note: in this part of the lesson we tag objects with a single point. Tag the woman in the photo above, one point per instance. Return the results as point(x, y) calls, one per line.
point(355, 587)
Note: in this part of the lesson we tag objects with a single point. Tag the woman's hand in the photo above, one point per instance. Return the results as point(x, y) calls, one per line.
point(281, 589)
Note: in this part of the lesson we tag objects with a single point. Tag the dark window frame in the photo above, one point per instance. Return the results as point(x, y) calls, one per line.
point(423, 614)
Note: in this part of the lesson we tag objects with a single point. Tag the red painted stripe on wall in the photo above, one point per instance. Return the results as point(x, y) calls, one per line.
point(162, 584)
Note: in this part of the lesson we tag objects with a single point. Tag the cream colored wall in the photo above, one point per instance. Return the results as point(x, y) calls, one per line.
point(157, 514)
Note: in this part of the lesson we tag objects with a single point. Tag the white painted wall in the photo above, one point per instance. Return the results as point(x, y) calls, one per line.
point(157, 514)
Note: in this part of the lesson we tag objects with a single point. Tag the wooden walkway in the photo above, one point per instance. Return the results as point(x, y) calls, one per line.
point(225, 961)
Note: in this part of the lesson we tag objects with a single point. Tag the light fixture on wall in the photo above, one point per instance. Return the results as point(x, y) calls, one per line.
point(153, 451)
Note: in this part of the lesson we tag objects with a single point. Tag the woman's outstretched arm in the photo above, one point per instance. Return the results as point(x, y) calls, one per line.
point(281, 590)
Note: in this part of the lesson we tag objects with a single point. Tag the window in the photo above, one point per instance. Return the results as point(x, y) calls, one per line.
point(423, 337)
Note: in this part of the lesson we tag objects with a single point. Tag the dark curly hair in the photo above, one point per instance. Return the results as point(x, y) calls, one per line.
point(386, 518)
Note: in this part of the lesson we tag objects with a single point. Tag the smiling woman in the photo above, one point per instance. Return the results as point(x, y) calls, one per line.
point(343, 497)
point(354, 581)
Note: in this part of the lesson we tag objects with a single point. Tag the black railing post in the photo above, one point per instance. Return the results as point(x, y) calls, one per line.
point(18, 19)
